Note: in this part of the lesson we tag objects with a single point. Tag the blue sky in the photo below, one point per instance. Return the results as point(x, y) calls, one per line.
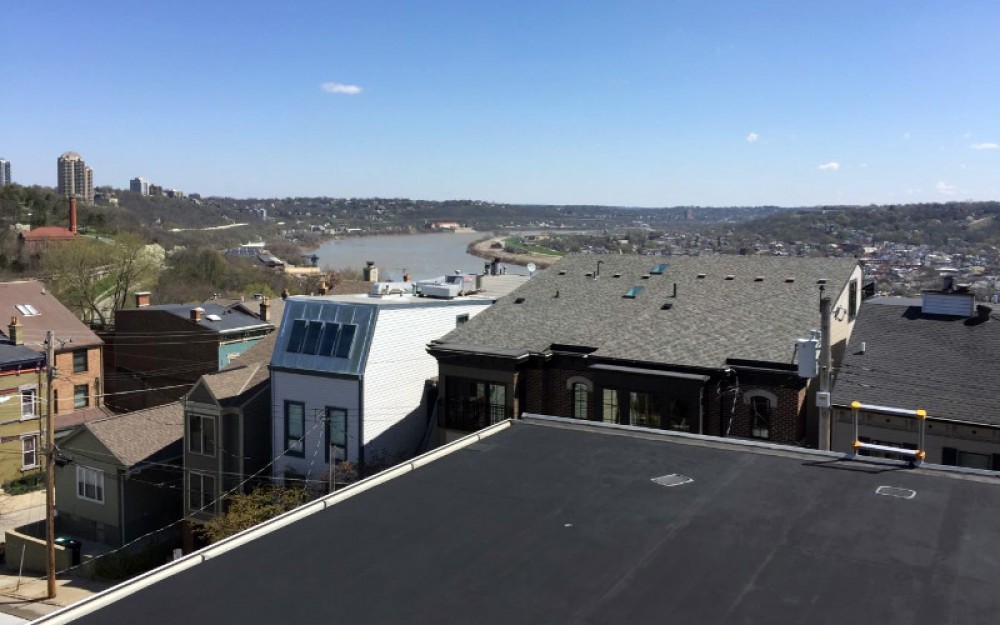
point(659, 103)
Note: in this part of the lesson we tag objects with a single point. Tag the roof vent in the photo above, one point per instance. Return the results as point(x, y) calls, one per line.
point(701, 276)
point(667, 306)
point(674, 479)
point(821, 281)
point(618, 275)
point(646, 277)
point(895, 491)
point(730, 277)
point(519, 300)
point(789, 279)
point(562, 272)
point(589, 274)
point(759, 279)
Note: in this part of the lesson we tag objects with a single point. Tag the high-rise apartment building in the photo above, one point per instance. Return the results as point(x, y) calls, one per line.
point(75, 178)
point(5, 172)
point(139, 185)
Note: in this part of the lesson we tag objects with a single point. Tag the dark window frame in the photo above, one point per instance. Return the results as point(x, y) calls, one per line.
point(852, 300)
point(202, 436)
point(761, 417)
point(201, 499)
point(80, 364)
point(81, 400)
point(581, 400)
point(295, 446)
point(332, 422)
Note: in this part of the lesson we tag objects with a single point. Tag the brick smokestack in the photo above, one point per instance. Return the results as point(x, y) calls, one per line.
point(196, 313)
point(72, 215)
point(265, 309)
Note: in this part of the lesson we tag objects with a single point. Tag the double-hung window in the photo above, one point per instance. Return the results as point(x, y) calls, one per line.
point(29, 397)
point(81, 396)
point(29, 451)
point(79, 360)
point(201, 435)
point(89, 484)
point(201, 491)
point(295, 428)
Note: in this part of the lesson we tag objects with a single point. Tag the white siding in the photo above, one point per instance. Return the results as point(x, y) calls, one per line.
point(316, 392)
point(398, 365)
point(842, 324)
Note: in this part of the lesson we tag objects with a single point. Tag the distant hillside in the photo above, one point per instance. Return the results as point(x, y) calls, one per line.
point(973, 223)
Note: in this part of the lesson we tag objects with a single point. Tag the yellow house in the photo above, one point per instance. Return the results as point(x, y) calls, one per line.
point(22, 391)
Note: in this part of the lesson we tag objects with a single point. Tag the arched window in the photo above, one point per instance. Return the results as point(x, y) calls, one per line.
point(761, 404)
point(580, 389)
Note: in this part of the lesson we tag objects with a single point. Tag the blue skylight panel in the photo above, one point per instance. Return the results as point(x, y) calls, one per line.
point(660, 269)
point(295, 337)
point(345, 341)
point(311, 343)
point(633, 292)
point(330, 334)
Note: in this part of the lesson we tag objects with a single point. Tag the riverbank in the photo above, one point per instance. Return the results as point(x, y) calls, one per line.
point(484, 249)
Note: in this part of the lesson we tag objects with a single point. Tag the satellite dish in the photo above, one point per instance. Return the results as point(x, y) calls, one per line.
point(531, 268)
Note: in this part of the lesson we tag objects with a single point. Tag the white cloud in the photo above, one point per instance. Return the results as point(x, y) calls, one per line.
point(336, 87)
point(944, 188)
point(984, 146)
point(831, 166)
point(752, 137)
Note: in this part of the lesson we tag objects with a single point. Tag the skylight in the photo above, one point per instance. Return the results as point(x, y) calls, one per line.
point(26, 309)
point(660, 269)
point(321, 338)
point(633, 292)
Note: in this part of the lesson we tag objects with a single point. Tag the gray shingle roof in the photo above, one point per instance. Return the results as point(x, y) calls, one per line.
point(946, 365)
point(152, 434)
point(52, 315)
point(232, 382)
point(712, 319)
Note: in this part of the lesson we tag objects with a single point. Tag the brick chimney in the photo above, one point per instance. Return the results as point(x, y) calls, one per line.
point(14, 331)
point(196, 313)
point(141, 299)
point(72, 215)
point(265, 309)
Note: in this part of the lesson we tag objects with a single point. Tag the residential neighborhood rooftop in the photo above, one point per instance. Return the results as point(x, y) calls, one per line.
point(943, 364)
point(38, 311)
point(688, 310)
point(545, 521)
point(214, 317)
point(149, 435)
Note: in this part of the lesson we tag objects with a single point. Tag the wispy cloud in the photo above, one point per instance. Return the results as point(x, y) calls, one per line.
point(944, 188)
point(984, 146)
point(831, 166)
point(336, 87)
point(752, 137)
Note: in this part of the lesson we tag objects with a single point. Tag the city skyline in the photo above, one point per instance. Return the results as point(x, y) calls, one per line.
point(624, 103)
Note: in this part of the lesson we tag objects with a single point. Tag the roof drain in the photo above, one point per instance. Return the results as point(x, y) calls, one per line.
point(673, 479)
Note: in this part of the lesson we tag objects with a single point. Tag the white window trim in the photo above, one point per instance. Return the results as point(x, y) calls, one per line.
point(579, 380)
point(210, 508)
point(24, 437)
point(34, 403)
point(100, 474)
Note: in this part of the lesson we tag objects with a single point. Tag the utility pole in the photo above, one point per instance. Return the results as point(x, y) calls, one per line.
point(825, 364)
point(50, 476)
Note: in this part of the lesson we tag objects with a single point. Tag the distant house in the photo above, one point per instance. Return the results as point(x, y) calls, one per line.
point(22, 388)
point(699, 344)
point(227, 432)
point(939, 353)
point(119, 477)
point(37, 239)
point(349, 377)
point(77, 390)
point(157, 353)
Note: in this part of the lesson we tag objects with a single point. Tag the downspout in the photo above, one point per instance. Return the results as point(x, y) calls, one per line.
point(121, 504)
point(361, 425)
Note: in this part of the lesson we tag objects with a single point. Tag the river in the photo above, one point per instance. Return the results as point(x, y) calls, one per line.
point(419, 255)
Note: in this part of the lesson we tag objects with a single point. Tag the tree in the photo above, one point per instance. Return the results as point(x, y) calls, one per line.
point(249, 509)
point(93, 278)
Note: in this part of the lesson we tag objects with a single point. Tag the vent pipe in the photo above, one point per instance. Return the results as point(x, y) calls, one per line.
point(675, 290)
